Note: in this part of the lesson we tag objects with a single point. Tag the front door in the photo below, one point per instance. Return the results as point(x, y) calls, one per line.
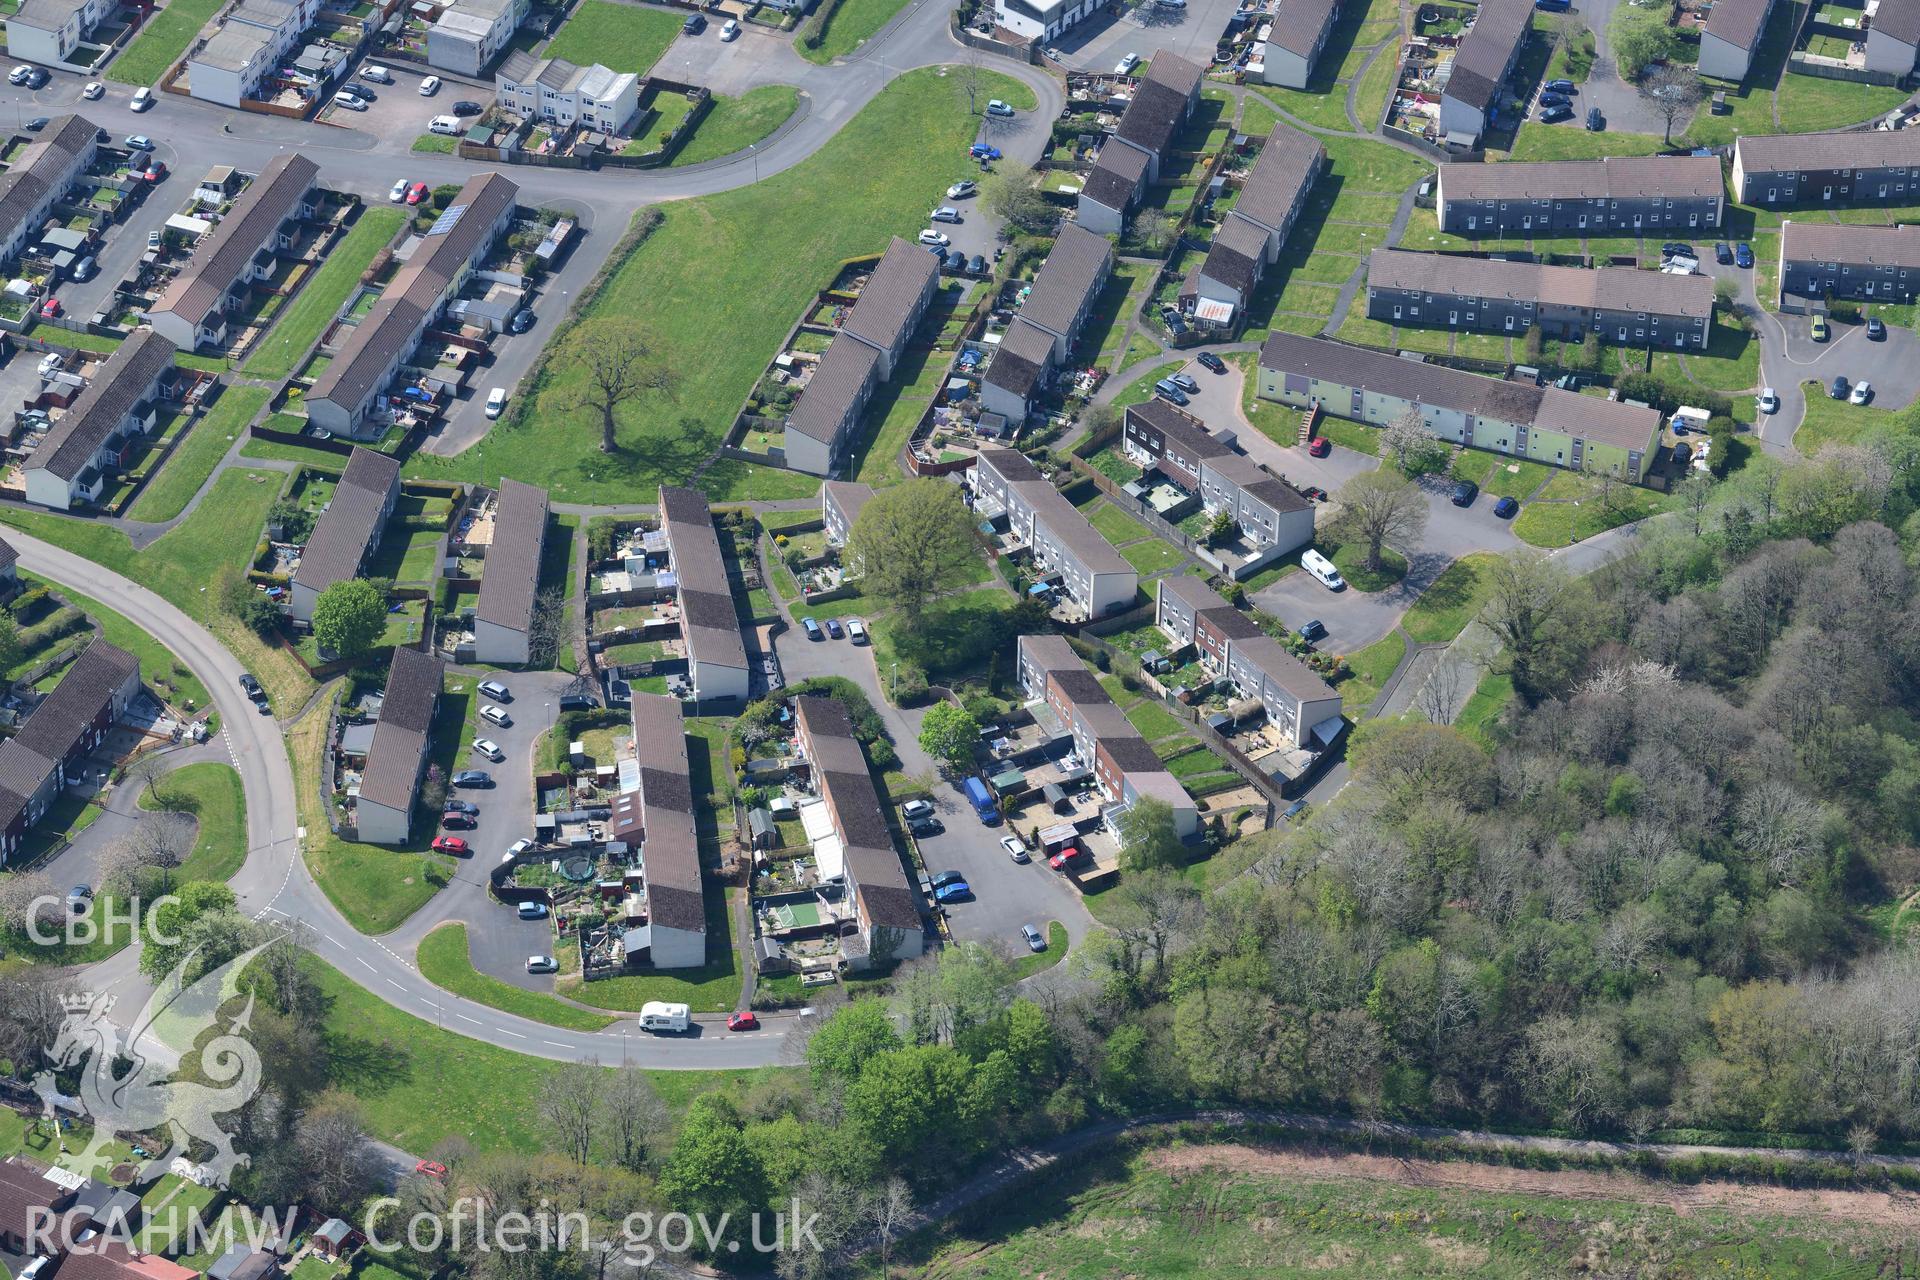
point(1453, 317)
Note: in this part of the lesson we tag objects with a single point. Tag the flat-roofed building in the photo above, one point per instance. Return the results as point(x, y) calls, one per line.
point(1560, 428)
point(198, 306)
point(510, 579)
point(470, 34)
point(1230, 645)
point(1062, 544)
point(348, 532)
point(91, 440)
point(233, 65)
point(1486, 57)
point(1620, 304)
point(1822, 260)
point(1827, 170)
point(397, 757)
point(1040, 21)
point(887, 909)
point(1567, 197)
point(716, 655)
point(50, 30)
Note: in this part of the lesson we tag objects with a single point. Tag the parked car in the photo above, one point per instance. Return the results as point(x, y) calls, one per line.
point(1876, 330)
point(490, 749)
point(1839, 389)
point(1167, 391)
point(429, 86)
point(473, 778)
point(496, 401)
point(856, 631)
point(94, 91)
point(1186, 383)
point(1126, 64)
point(1595, 121)
point(1506, 508)
point(1555, 100)
point(38, 80)
point(139, 142)
point(917, 809)
point(1071, 855)
point(1015, 849)
point(953, 263)
point(399, 191)
point(1293, 811)
point(694, 25)
point(742, 1020)
point(377, 74)
point(154, 240)
point(462, 806)
point(730, 30)
point(496, 715)
point(248, 683)
point(1561, 86)
point(431, 1169)
point(361, 91)
point(1862, 392)
point(1820, 332)
point(522, 320)
point(1315, 492)
point(20, 74)
point(454, 820)
point(1212, 362)
point(351, 102)
point(1464, 493)
point(932, 237)
point(542, 964)
point(1674, 249)
point(834, 629)
point(977, 265)
point(496, 690)
point(79, 898)
point(981, 151)
point(466, 107)
point(85, 268)
point(1723, 253)
point(998, 108)
point(1036, 941)
point(452, 844)
point(812, 629)
point(1682, 454)
point(532, 911)
point(1319, 447)
point(417, 193)
point(51, 309)
point(1313, 631)
point(517, 848)
point(940, 878)
point(924, 827)
point(962, 189)
point(156, 171)
point(36, 124)
point(945, 213)
point(1554, 113)
point(1743, 254)
point(959, 891)
point(1769, 401)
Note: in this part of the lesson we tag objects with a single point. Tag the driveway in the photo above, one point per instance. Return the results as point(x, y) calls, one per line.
point(1098, 43)
point(732, 67)
point(1619, 102)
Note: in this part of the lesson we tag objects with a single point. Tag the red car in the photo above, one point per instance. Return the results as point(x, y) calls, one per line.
point(431, 1169)
point(453, 845)
point(1066, 857)
point(1315, 492)
point(157, 171)
point(50, 308)
point(416, 193)
point(1319, 446)
point(742, 1021)
point(454, 820)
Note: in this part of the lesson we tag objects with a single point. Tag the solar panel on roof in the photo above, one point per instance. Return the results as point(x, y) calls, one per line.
point(448, 220)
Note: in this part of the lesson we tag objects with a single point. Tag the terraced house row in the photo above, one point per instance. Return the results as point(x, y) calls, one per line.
point(1545, 424)
point(653, 819)
point(1164, 99)
point(1820, 261)
point(1565, 197)
point(1006, 487)
point(1811, 170)
point(1620, 304)
point(1250, 238)
point(1302, 707)
point(1042, 336)
point(709, 625)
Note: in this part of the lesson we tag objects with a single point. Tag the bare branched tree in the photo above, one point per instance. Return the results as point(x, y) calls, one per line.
point(1672, 89)
point(1444, 693)
point(635, 1116)
point(890, 1211)
point(554, 627)
point(571, 1104)
point(616, 365)
point(1378, 506)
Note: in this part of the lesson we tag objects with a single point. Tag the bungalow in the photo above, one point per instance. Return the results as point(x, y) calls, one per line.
point(887, 910)
point(1620, 304)
point(1480, 69)
point(446, 256)
point(67, 726)
point(510, 579)
point(716, 655)
point(1256, 228)
point(348, 532)
point(1062, 695)
point(1560, 428)
point(1094, 576)
point(1043, 335)
point(1872, 166)
point(40, 175)
point(653, 816)
point(91, 439)
point(1572, 197)
point(390, 783)
point(1301, 707)
point(243, 248)
point(1822, 260)
point(1733, 33)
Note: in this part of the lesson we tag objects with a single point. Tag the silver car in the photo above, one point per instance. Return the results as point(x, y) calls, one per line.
point(1036, 941)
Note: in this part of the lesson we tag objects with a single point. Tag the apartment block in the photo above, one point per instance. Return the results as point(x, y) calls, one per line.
point(88, 443)
point(1041, 338)
point(1095, 577)
point(1274, 517)
point(1570, 197)
point(1300, 706)
point(1821, 260)
point(1486, 57)
point(1813, 170)
point(402, 741)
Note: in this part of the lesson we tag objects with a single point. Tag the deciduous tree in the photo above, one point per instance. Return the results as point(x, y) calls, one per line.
point(1375, 507)
point(1673, 90)
point(912, 542)
point(1537, 611)
point(1148, 836)
point(949, 734)
point(1411, 446)
point(349, 616)
point(614, 365)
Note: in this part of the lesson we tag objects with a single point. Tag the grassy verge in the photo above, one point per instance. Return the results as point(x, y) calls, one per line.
point(619, 36)
point(734, 123)
point(434, 144)
point(1371, 668)
point(1445, 608)
point(211, 793)
point(1490, 698)
point(160, 670)
point(314, 308)
point(710, 267)
point(193, 461)
point(1040, 961)
point(445, 960)
point(1569, 509)
point(851, 25)
point(1351, 560)
point(712, 988)
point(160, 45)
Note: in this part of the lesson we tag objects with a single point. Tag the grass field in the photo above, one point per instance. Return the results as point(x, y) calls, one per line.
point(1371, 668)
point(618, 36)
point(713, 988)
point(212, 794)
point(420, 1084)
point(1447, 606)
point(194, 459)
point(160, 45)
point(735, 122)
point(302, 324)
point(1572, 510)
point(1241, 1211)
point(852, 24)
point(444, 959)
point(711, 269)
point(160, 670)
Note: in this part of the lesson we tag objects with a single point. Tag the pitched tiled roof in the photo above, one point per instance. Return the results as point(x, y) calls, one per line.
point(849, 496)
point(1180, 426)
point(400, 739)
point(1612, 288)
point(511, 574)
point(841, 772)
point(119, 386)
point(1153, 117)
point(676, 897)
point(1235, 256)
point(1171, 71)
point(891, 302)
point(43, 164)
point(1285, 170)
point(1809, 152)
point(1841, 243)
point(708, 621)
point(1616, 177)
point(1299, 25)
point(824, 410)
point(1481, 64)
point(350, 526)
point(1023, 355)
point(225, 252)
point(84, 692)
point(1899, 19)
point(1073, 270)
point(1116, 176)
point(1739, 22)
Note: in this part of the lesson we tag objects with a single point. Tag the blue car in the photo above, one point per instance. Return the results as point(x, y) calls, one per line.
point(812, 628)
point(1505, 508)
point(981, 151)
point(1743, 254)
point(957, 891)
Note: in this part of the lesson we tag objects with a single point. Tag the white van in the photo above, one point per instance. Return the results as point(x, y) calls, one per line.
point(658, 1016)
point(448, 125)
point(1687, 418)
point(1322, 569)
point(379, 75)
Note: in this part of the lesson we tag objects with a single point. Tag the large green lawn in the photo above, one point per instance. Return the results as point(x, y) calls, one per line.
point(1829, 421)
point(194, 459)
point(851, 25)
point(160, 670)
point(622, 37)
point(159, 46)
point(714, 294)
point(212, 794)
point(735, 122)
point(302, 324)
point(712, 988)
point(1451, 602)
point(444, 959)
